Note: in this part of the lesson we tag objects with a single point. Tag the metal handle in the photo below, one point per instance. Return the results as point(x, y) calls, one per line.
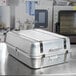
point(65, 56)
point(57, 27)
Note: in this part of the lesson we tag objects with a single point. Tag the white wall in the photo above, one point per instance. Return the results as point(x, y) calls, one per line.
point(20, 12)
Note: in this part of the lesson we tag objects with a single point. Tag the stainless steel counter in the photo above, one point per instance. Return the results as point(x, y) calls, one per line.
point(10, 66)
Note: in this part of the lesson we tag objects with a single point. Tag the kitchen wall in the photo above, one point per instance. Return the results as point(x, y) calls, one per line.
point(22, 15)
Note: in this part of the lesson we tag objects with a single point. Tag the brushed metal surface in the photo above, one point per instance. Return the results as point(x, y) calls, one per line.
point(30, 47)
point(11, 66)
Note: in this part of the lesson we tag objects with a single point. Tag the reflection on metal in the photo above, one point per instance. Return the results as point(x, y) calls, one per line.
point(3, 57)
point(12, 66)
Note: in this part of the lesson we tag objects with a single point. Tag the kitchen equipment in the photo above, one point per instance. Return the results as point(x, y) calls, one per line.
point(64, 21)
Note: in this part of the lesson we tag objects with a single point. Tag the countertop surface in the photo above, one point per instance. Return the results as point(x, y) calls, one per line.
point(11, 66)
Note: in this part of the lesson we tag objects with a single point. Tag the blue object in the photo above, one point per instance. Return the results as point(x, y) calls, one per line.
point(30, 7)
